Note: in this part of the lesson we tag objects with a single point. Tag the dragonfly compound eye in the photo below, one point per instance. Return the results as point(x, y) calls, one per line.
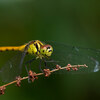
point(46, 50)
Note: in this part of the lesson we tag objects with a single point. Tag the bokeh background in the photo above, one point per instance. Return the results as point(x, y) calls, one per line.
point(74, 22)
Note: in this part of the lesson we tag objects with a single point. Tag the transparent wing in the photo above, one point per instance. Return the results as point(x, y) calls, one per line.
point(67, 54)
point(12, 68)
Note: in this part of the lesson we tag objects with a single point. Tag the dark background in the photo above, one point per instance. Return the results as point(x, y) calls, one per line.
point(74, 22)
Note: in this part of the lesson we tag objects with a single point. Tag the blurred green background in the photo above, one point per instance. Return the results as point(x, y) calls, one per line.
point(74, 22)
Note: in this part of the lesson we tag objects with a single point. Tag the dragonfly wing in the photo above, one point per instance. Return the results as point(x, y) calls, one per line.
point(67, 54)
point(12, 68)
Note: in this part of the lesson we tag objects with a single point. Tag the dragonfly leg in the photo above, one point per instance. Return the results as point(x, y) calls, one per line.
point(26, 68)
point(52, 61)
point(29, 62)
point(45, 63)
point(49, 61)
point(40, 66)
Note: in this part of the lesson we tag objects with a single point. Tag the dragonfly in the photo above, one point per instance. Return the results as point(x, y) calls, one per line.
point(50, 53)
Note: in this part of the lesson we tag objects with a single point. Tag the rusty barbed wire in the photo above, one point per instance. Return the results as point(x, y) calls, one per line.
point(32, 75)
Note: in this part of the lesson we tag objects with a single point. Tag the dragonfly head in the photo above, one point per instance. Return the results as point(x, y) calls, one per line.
point(46, 50)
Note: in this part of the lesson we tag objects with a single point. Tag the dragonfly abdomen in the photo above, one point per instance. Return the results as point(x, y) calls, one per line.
point(12, 48)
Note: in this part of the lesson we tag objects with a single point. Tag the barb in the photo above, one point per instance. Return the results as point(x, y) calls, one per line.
point(32, 75)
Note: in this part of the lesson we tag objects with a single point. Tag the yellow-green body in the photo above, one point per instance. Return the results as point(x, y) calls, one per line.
point(35, 47)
